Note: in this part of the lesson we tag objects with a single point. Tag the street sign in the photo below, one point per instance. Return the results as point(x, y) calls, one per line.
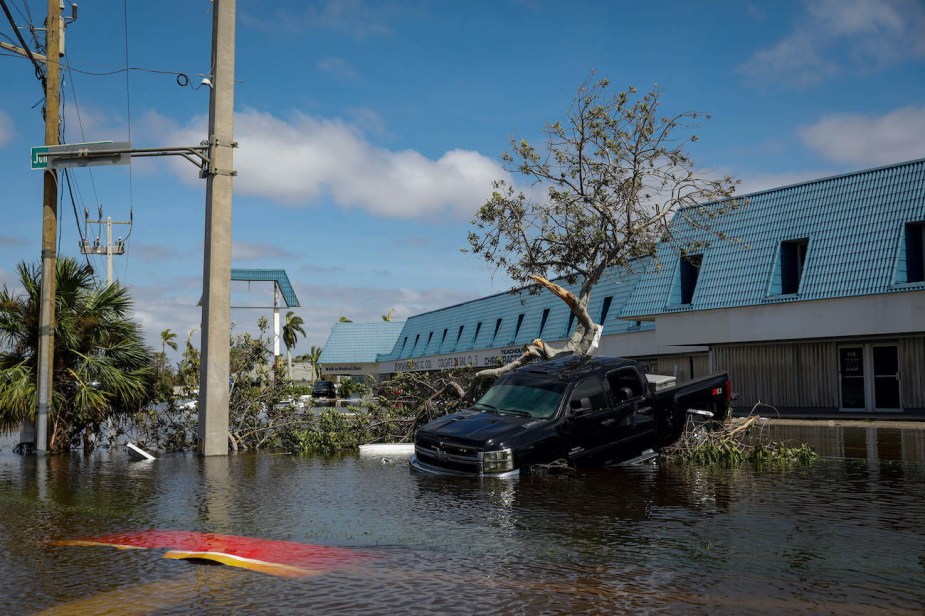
point(38, 157)
point(81, 155)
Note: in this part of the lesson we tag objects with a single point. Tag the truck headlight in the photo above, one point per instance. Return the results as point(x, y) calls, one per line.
point(497, 461)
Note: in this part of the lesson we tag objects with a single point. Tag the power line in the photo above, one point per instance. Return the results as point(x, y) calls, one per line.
point(39, 73)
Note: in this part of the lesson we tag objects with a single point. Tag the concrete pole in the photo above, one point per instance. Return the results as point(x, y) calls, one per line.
point(214, 373)
point(276, 327)
point(46, 343)
point(108, 250)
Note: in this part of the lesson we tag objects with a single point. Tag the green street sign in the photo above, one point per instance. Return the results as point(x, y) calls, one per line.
point(38, 157)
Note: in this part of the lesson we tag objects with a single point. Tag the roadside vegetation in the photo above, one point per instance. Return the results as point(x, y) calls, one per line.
point(736, 441)
point(103, 372)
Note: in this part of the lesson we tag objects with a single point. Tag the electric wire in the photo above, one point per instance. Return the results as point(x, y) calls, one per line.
point(39, 73)
point(83, 136)
point(62, 133)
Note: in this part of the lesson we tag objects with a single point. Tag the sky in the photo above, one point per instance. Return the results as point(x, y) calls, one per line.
point(370, 132)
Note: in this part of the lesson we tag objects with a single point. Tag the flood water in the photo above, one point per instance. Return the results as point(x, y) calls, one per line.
point(845, 535)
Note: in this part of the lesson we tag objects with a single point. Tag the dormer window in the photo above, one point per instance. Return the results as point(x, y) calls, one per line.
point(915, 252)
point(539, 333)
point(605, 308)
point(520, 321)
point(690, 272)
point(497, 327)
point(792, 260)
point(568, 326)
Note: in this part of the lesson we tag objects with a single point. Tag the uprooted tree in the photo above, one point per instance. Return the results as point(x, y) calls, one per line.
point(604, 191)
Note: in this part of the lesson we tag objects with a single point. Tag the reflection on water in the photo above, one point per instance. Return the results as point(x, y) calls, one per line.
point(843, 535)
point(870, 442)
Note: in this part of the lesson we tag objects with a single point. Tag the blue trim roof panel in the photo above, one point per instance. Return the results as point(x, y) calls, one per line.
point(854, 223)
point(269, 275)
point(423, 334)
point(359, 342)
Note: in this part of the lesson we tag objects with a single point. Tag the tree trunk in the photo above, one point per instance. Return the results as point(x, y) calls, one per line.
point(582, 342)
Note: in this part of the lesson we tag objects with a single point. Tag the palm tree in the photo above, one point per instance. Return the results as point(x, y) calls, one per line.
point(314, 354)
point(102, 368)
point(167, 340)
point(292, 327)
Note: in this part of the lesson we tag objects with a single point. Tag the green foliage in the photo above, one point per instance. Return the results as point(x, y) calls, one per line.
point(350, 388)
point(736, 442)
point(330, 432)
point(102, 369)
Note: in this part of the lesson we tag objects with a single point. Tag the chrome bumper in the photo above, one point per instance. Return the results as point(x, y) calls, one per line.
point(422, 467)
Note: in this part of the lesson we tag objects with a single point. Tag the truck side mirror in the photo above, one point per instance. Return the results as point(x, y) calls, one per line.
point(578, 408)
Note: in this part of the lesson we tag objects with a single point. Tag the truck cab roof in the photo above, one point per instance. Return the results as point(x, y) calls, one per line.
point(571, 368)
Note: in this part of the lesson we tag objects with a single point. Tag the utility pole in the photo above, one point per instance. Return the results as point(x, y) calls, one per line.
point(109, 249)
point(54, 28)
point(214, 373)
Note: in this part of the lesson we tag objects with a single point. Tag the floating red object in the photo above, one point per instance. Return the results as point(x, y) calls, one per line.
point(282, 558)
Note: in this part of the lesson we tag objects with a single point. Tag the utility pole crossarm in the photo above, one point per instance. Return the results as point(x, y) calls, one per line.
point(23, 52)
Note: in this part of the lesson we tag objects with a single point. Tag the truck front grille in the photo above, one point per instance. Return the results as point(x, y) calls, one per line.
point(449, 456)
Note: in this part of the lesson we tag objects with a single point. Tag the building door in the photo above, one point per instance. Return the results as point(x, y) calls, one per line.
point(886, 377)
point(869, 377)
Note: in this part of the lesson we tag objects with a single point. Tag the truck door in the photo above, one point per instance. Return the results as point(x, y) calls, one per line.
point(589, 422)
point(635, 414)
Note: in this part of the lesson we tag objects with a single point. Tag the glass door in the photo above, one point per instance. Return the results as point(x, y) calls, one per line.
point(886, 378)
point(851, 378)
point(869, 378)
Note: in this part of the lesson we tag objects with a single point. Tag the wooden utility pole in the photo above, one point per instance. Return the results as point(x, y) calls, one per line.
point(214, 372)
point(54, 27)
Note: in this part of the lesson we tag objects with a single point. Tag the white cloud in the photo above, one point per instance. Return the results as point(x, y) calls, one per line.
point(249, 251)
point(338, 67)
point(869, 140)
point(836, 35)
point(6, 129)
point(92, 124)
point(297, 161)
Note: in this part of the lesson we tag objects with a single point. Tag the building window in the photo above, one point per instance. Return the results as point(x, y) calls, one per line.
point(915, 252)
point(497, 327)
point(478, 328)
point(443, 339)
point(792, 260)
point(690, 272)
point(429, 337)
point(605, 309)
point(403, 343)
point(568, 326)
point(415, 347)
point(459, 335)
point(520, 321)
point(539, 334)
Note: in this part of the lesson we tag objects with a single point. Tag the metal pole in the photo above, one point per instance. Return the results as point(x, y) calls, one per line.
point(214, 373)
point(46, 348)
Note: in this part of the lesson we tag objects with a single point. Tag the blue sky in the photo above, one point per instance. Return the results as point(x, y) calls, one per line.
point(370, 131)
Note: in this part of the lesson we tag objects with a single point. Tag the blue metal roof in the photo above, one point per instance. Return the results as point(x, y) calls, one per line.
point(359, 342)
point(269, 275)
point(511, 319)
point(854, 225)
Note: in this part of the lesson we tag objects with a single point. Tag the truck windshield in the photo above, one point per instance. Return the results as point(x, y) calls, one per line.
point(524, 396)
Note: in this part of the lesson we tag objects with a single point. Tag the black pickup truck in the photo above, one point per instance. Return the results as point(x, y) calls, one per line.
point(587, 411)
